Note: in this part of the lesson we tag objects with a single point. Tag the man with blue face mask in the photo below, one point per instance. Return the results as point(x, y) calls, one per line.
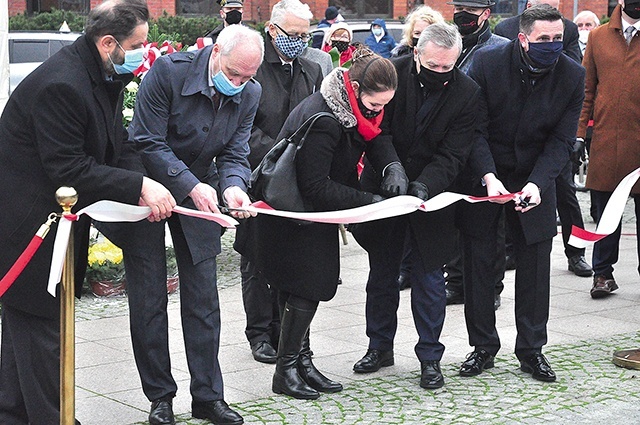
point(527, 133)
point(288, 79)
point(191, 125)
point(62, 126)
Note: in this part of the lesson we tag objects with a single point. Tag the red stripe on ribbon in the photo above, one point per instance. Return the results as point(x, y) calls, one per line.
point(585, 234)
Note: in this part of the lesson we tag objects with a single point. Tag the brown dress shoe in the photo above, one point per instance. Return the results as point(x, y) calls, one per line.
point(602, 286)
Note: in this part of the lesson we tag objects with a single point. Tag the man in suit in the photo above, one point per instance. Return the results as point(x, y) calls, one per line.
point(191, 125)
point(567, 202)
point(431, 121)
point(510, 27)
point(230, 13)
point(527, 135)
point(288, 79)
point(63, 126)
point(613, 51)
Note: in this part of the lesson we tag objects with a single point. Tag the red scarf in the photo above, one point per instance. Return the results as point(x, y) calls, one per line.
point(368, 128)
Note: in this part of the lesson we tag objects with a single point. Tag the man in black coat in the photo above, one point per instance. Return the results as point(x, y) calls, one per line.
point(510, 27)
point(567, 202)
point(532, 97)
point(286, 80)
point(63, 127)
point(431, 121)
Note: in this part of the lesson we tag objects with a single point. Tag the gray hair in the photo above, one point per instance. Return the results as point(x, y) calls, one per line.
point(441, 34)
point(293, 7)
point(587, 14)
point(234, 35)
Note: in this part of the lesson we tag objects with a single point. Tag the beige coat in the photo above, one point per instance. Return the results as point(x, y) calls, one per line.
point(613, 99)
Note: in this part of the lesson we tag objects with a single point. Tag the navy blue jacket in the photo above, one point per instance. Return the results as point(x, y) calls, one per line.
point(183, 140)
point(527, 129)
point(386, 43)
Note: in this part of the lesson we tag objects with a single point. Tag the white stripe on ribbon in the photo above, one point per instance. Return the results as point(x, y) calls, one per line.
point(110, 211)
point(611, 215)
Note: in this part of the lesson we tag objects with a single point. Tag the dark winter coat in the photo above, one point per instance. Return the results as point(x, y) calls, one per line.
point(304, 259)
point(433, 155)
point(279, 97)
point(528, 131)
point(62, 126)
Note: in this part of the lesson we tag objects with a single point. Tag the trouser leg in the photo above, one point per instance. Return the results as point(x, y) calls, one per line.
point(605, 251)
point(532, 286)
point(200, 312)
point(568, 208)
point(260, 305)
point(29, 369)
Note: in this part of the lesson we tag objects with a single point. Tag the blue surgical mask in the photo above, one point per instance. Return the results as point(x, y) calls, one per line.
point(224, 85)
point(132, 60)
point(377, 32)
point(545, 54)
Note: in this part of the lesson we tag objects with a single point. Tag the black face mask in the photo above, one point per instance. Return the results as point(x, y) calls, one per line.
point(233, 17)
point(366, 112)
point(340, 45)
point(432, 80)
point(466, 22)
point(414, 41)
point(632, 10)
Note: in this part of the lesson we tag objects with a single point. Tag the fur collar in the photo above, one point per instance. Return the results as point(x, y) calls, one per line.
point(335, 94)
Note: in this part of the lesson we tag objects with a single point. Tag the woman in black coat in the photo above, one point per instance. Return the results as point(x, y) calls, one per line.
point(302, 260)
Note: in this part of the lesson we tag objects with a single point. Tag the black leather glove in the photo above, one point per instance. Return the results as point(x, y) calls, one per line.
point(394, 180)
point(419, 190)
point(377, 198)
point(579, 152)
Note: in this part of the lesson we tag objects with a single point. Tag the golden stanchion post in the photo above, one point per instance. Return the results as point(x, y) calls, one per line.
point(67, 198)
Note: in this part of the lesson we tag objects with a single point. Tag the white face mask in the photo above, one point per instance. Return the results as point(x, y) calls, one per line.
point(583, 36)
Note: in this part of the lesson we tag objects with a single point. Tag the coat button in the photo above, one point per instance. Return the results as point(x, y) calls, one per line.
point(205, 129)
point(174, 171)
point(408, 160)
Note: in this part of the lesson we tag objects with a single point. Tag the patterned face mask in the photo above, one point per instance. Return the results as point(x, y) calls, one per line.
point(288, 47)
point(340, 45)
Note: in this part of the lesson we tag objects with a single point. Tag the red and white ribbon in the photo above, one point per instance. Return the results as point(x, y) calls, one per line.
point(392, 207)
point(611, 216)
point(110, 211)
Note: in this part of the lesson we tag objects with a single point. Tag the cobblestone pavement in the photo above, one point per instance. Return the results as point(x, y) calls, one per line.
point(589, 390)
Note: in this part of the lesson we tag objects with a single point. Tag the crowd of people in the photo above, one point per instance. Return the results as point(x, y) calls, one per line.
point(450, 107)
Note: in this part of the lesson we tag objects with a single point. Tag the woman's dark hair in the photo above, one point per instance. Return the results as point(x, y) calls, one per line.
point(118, 18)
point(374, 73)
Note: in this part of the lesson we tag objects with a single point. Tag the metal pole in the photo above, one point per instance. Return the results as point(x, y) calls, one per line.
point(67, 198)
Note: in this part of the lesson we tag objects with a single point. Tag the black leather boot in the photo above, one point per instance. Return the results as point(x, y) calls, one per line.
point(313, 376)
point(286, 380)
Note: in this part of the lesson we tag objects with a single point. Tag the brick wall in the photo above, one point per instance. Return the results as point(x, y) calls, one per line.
point(260, 10)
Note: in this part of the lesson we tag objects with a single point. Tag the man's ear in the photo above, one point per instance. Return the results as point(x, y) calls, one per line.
point(106, 43)
point(523, 41)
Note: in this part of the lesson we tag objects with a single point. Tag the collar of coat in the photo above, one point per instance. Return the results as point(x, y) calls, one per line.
point(615, 21)
point(334, 93)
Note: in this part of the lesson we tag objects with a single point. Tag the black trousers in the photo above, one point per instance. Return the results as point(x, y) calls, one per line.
point(532, 281)
point(260, 305)
point(568, 208)
point(29, 369)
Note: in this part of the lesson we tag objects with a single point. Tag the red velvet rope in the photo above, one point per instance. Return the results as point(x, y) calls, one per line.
point(20, 264)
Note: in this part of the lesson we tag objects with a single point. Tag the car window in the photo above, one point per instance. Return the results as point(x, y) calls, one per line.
point(22, 51)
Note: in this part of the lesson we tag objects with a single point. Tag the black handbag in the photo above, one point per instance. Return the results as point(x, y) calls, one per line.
point(274, 181)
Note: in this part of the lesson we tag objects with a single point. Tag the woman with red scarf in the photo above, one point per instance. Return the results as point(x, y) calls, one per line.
point(302, 260)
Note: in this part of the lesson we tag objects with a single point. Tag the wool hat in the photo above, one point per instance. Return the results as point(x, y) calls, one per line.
point(331, 13)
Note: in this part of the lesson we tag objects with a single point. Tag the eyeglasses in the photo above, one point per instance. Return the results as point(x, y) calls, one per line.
point(303, 37)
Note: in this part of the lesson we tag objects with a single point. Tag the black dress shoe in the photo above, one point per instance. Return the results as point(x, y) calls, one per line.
point(579, 266)
point(264, 352)
point(373, 361)
point(431, 377)
point(537, 365)
point(161, 412)
point(217, 411)
point(476, 363)
point(454, 297)
point(602, 286)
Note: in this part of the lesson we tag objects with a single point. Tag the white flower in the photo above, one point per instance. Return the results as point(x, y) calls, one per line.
point(132, 87)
